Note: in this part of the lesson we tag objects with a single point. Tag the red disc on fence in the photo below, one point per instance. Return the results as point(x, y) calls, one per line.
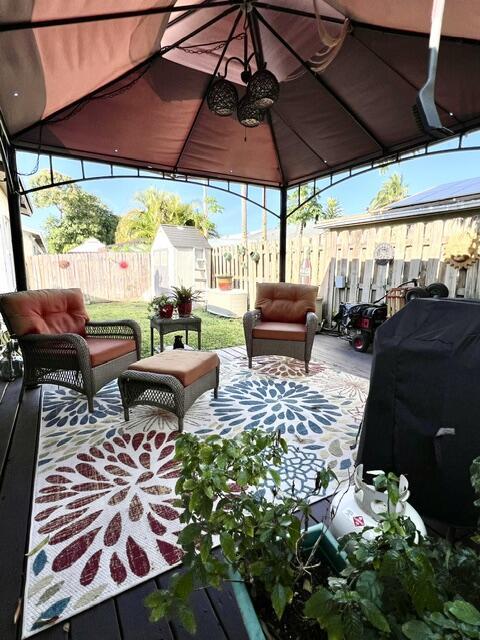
point(64, 264)
point(123, 264)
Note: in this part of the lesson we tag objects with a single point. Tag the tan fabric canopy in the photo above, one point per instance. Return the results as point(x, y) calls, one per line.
point(131, 90)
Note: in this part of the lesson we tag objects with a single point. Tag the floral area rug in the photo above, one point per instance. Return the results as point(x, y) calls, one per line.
point(103, 518)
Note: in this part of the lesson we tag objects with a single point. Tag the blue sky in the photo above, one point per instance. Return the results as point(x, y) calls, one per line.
point(354, 194)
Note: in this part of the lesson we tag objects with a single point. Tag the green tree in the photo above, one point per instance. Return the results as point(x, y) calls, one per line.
point(156, 208)
point(331, 209)
point(313, 210)
point(82, 214)
point(392, 190)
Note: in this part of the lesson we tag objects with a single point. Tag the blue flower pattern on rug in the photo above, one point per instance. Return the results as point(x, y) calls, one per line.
point(64, 407)
point(274, 404)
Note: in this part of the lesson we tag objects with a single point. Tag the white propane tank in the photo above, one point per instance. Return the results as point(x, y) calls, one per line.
point(359, 508)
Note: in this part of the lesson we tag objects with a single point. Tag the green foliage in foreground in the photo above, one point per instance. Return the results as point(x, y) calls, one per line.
point(217, 332)
point(398, 585)
point(259, 536)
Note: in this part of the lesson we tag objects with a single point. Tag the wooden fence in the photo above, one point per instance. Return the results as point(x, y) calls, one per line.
point(418, 246)
point(349, 251)
point(102, 276)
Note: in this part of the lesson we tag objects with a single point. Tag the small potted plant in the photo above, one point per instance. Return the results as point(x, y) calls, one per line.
point(162, 306)
point(184, 299)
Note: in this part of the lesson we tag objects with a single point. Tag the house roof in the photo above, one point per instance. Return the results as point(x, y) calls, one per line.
point(451, 197)
point(183, 236)
point(37, 236)
point(78, 79)
point(468, 189)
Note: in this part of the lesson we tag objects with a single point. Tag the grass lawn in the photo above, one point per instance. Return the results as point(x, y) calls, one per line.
point(217, 332)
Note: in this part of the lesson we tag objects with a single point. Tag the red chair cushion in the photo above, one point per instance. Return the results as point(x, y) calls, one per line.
point(280, 331)
point(46, 311)
point(285, 302)
point(103, 350)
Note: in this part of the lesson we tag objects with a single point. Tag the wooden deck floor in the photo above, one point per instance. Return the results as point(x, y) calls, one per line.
point(123, 617)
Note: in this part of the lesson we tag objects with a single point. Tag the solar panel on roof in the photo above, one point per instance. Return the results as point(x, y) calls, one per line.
point(457, 189)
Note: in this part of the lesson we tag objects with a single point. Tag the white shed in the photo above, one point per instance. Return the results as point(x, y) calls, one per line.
point(180, 257)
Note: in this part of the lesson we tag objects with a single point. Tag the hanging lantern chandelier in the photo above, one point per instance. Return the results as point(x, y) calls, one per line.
point(222, 98)
point(262, 91)
point(248, 113)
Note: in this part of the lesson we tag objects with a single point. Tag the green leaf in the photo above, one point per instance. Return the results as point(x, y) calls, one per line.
point(464, 611)
point(374, 616)
point(442, 621)
point(183, 586)
point(275, 477)
point(187, 619)
point(279, 596)
point(228, 546)
point(318, 605)
point(205, 548)
point(417, 630)
point(369, 587)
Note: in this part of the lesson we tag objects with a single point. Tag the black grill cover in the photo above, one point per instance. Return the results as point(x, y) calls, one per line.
point(422, 416)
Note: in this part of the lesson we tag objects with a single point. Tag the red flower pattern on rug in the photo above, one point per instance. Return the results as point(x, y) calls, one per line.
point(108, 514)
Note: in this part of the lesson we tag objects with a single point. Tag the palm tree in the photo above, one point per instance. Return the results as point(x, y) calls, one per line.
point(313, 209)
point(392, 190)
point(156, 208)
point(331, 209)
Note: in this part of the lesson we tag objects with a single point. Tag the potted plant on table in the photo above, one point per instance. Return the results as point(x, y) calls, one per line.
point(184, 299)
point(397, 585)
point(162, 306)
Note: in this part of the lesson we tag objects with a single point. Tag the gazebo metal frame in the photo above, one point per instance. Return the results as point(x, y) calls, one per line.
point(255, 18)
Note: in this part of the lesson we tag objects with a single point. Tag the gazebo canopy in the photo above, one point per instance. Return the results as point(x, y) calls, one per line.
point(131, 89)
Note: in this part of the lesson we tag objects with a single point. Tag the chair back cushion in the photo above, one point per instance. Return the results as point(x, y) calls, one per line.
point(285, 302)
point(45, 311)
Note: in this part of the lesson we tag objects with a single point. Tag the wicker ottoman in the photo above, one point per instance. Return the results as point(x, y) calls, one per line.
point(172, 380)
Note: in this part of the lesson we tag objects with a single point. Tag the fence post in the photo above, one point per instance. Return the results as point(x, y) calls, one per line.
point(282, 258)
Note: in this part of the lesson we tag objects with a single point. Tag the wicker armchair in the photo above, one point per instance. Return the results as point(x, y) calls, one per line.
point(60, 345)
point(283, 322)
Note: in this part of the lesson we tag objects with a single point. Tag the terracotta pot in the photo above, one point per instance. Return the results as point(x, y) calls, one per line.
point(184, 308)
point(166, 311)
point(225, 283)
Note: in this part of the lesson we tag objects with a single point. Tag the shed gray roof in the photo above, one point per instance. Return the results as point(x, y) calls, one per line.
point(186, 237)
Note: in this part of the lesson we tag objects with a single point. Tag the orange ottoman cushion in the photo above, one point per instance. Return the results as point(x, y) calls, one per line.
point(186, 366)
point(280, 331)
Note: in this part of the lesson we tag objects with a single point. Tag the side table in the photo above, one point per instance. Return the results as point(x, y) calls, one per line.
point(171, 325)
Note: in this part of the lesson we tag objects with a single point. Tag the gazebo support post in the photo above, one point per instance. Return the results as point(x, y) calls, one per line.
point(283, 234)
point(13, 197)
